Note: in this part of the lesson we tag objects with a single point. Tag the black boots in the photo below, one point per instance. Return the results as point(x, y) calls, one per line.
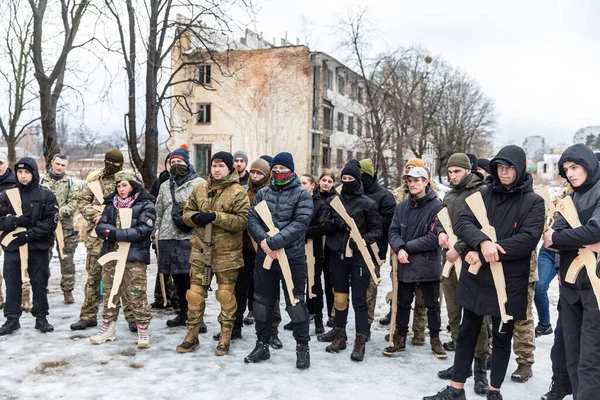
point(319, 328)
point(179, 320)
point(11, 325)
point(260, 353)
point(302, 356)
point(275, 342)
point(558, 391)
point(481, 381)
point(42, 324)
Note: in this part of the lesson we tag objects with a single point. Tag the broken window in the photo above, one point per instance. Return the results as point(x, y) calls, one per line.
point(203, 114)
point(353, 90)
point(329, 79)
point(340, 158)
point(340, 122)
point(327, 119)
point(341, 84)
point(351, 125)
point(204, 74)
point(359, 127)
point(326, 157)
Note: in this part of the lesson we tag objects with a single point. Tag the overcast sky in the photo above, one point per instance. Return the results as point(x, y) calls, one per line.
point(539, 60)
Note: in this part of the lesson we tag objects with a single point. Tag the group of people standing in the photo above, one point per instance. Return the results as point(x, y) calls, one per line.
point(249, 230)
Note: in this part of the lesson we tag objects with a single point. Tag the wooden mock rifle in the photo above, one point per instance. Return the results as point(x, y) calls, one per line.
point(15, 201)
point(444, 218)
point(394, 298)
point(310, 264)
point(96, 189)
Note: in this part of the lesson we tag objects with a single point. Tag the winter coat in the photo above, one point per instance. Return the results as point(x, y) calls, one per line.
point(244, 179)
point(252, 190)
point(314, 230)
point(517, 214)
point(7, 180)
point(386, 205)
point(142, 225)
point(174, 246)
point(291, 209)
point(587, 202)
point(413, 229)
point(40, 204)
point(162, 177)
point(229, 201)
point(363, 211)
point(67, 195)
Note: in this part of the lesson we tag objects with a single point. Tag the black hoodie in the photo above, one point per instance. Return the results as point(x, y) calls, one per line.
point(7, 180)
point(39, 203)
point(587, 201)
point(385, 205)
point(517, 214)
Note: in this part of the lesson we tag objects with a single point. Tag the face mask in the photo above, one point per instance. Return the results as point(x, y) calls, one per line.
point(179, 170)
point(110, 169)
point(282, 177)
point(366, 179)
point(351, 187)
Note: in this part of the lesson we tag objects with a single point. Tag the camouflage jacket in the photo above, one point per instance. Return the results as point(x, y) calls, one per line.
point(164, 205)
point(229, 201)
point(67, 195)
point(87, 206)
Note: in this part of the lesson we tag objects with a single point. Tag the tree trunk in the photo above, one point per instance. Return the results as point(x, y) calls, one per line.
point(48, 119)
point(12, 154)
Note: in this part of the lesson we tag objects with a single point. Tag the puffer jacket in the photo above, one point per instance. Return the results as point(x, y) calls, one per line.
point(413, 229)
point(229, 201)
point(142, 225)
point(291, 209)
point(314, 230)
point(385, 206)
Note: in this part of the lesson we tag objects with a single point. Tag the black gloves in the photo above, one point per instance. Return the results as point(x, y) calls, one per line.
point(21, 238)
point(341, 224)
point(110, 235)
point(23, 221)
point(177, 219)
point(203, 218)
point(352, 244)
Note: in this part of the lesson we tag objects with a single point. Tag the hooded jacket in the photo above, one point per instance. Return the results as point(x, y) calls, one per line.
point(587, 201)
point(386, 205)
point(39, 203)
point(7, 180)
point(413, 229)
point(517, 214)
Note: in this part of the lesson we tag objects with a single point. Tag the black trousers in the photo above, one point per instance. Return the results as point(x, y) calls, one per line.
point(351, 272)
point(431, 297)
point(267, 286)
point(468, 331)
point(581, 332)
point(243, 286)
point(182, 284)
point(560, 374)
point(328, 285)
point(315, 305)
point(39, 273)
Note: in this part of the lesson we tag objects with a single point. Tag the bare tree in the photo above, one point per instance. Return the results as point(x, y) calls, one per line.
point(16, 72)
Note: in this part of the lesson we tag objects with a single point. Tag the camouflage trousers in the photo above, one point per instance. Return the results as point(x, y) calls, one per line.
point(132, 292)
point(449, 286)
point(197, 298)
point(524, 333)
point(67, 266)
point(372, 294)
point(25, 296)
point(89, 309)
point(420, 313)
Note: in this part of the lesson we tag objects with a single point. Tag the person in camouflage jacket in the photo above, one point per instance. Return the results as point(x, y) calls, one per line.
point(223, 203)
point(67, 195)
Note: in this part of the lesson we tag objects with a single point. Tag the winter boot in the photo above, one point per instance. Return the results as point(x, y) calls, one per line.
point(387, 319)
point(327, 337)
point(274, 342)
point(437, 348)
point(159, 305)
point(358, 353)
point(319, 328)
point(132, 326)
point(260, 353)
point(542, 330)
point(558, 391)
point(224, 341)
point(83, 324)
point(447, 373)
point(481, 381)
point(191, 342)
point(143, 338)
point(339, 342)
point(493, 395)
point(179, 320)
point(68, 298)
point(302, 356)
point(249, 320)
point(418, 339)
point(203, 328)
point(289, 326)
point(449, 393)
point(42, 324)
point(11, 325)
point(106, 334)
point(449, 346)
point(236, 333)
point(399, 345)
point(330, 322)
point(522, 374)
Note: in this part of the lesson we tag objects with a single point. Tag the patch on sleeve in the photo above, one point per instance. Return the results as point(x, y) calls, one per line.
point(149, 222)
point(56, 217)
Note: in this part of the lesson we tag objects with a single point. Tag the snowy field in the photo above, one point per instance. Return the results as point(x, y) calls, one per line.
point(65, 365)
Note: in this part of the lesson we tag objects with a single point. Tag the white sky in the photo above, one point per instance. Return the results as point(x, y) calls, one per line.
point(538, 59)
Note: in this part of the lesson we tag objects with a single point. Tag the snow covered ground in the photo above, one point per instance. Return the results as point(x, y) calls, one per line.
point(64, 364)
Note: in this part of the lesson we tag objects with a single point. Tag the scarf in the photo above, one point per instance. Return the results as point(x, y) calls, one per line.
point(127, 202)
point(282, 178)
point(54, 176)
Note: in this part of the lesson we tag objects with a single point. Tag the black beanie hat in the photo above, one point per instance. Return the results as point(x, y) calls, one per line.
point(473, 159)
point(224, 156)
point(484, 163)
point(352, 168)
point(284, 158)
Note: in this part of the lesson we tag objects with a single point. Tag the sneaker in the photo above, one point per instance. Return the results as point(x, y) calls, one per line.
point(558, 391)
point(449, 346)
point(249, 320)
point(493, 395)
point(449, 393)
point(522, 373)
point(260, 353)
point(387, 319)
point(106, 334)
point(447, 373)
point(143, 338)
point(542, 330)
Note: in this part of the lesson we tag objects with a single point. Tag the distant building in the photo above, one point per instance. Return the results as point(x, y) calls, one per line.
point(535, 147)
point(582, 134)
point(547, 169)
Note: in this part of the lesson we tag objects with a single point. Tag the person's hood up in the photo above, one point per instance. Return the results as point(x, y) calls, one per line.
point(582, 155)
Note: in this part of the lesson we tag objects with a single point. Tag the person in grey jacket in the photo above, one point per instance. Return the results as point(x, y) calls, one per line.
point(174, 246)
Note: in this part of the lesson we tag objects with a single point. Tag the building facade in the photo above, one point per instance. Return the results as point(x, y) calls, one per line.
point(535, 147)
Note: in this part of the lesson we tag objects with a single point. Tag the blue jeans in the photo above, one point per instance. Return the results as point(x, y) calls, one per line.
point(546, 272)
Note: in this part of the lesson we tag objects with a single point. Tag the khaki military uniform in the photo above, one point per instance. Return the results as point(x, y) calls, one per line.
point(524, 332)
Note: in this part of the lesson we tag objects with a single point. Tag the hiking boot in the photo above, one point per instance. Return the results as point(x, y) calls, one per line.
point(203, 328)
point(236, 333)
point(274, 342)
point(68, 298)
point(522, 374)
point(83, 324)
point(481, 381)
point(302, 356)
point(542, 330)
point(106, 334)
point(224, 341)
point(328, 336)
point(398, 346)
point(449, 393)
point(191, 342)
point(387, 319)
point(260, 353)
point(418, 339)
point(447, 373)
point(11, 325)
point(438, 349)
point(249, 320)
point(319, 328)
point(143, 338)
point(179, 320)
point(330, 322)
point(449, 346)
point(358, 353)
point(289, 326)
point(558, 391)
point(493, 395)
point(132, 326)
point(42, 325)
point(339, 341)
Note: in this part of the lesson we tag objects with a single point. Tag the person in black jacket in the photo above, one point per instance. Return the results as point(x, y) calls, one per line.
point(517, 214)
point(7, 180)
point(291, 208)
point(34, 228)
point(578, 305)
point(413, 239)
point(129, 193)
point(354, 269)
